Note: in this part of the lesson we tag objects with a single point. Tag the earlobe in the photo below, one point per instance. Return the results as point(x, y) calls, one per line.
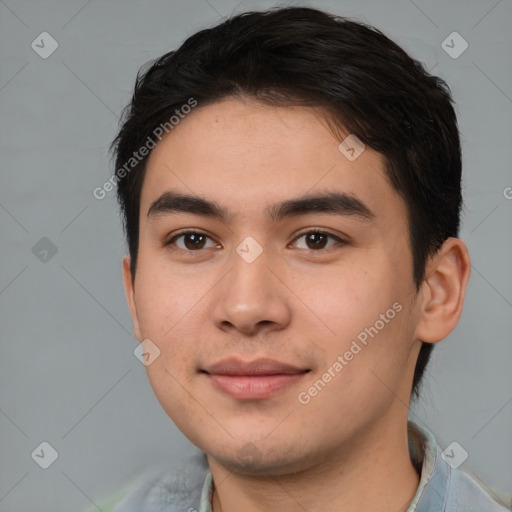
point(129, 289)
point(444, 289)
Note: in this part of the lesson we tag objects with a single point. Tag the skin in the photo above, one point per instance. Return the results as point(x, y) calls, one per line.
point(347, 448)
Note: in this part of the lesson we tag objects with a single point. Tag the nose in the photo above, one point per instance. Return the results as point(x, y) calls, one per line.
point(252, 298)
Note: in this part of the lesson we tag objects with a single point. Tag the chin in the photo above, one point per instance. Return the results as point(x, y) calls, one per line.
point(271, 460)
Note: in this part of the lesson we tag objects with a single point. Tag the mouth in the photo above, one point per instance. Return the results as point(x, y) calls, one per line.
point(252, 380)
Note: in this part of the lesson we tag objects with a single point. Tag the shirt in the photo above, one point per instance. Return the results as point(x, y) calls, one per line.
point(443, 486)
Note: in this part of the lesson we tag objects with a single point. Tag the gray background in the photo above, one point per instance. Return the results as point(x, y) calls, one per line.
point(68, 374)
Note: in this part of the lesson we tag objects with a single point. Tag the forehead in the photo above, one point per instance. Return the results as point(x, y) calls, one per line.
point(246, 155)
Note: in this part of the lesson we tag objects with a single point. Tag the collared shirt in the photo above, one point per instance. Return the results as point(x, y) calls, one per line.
point(443, 486)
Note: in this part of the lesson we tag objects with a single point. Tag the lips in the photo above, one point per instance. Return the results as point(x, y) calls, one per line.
point(252, 380)
point(235, 366)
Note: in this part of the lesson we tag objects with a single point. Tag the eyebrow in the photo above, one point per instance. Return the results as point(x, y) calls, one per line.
point(337, 203)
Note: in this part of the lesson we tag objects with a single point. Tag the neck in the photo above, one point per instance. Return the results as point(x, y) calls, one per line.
point(375, 473)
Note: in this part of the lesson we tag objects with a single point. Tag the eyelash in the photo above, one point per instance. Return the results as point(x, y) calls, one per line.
point(338, 240)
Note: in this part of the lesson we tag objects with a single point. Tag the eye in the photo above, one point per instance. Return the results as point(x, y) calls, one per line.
point(191, 241)
point(316, 240)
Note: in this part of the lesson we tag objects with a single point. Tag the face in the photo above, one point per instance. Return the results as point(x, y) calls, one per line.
point(280, 295)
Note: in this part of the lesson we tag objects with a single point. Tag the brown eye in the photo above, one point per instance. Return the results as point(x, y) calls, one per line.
point(194, 241)
point(317, 240)
point(191, 241)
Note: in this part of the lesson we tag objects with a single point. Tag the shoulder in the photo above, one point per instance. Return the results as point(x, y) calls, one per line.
point(466, 492)
point(444, 486)
point(169, 490)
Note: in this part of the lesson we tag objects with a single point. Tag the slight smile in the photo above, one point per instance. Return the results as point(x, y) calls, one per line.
point(253, 380)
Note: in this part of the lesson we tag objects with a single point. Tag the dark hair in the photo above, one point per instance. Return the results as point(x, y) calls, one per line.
point(364, 82)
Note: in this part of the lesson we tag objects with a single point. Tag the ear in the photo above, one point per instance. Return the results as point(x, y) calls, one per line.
point(443, 291)
point(129, 289)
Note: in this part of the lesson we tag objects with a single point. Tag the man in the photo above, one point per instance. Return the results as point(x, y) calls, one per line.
point(290, 186)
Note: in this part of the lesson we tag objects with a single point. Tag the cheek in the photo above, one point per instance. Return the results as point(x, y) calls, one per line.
point(364, 319)
point(165, 298)
point(343, 302)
